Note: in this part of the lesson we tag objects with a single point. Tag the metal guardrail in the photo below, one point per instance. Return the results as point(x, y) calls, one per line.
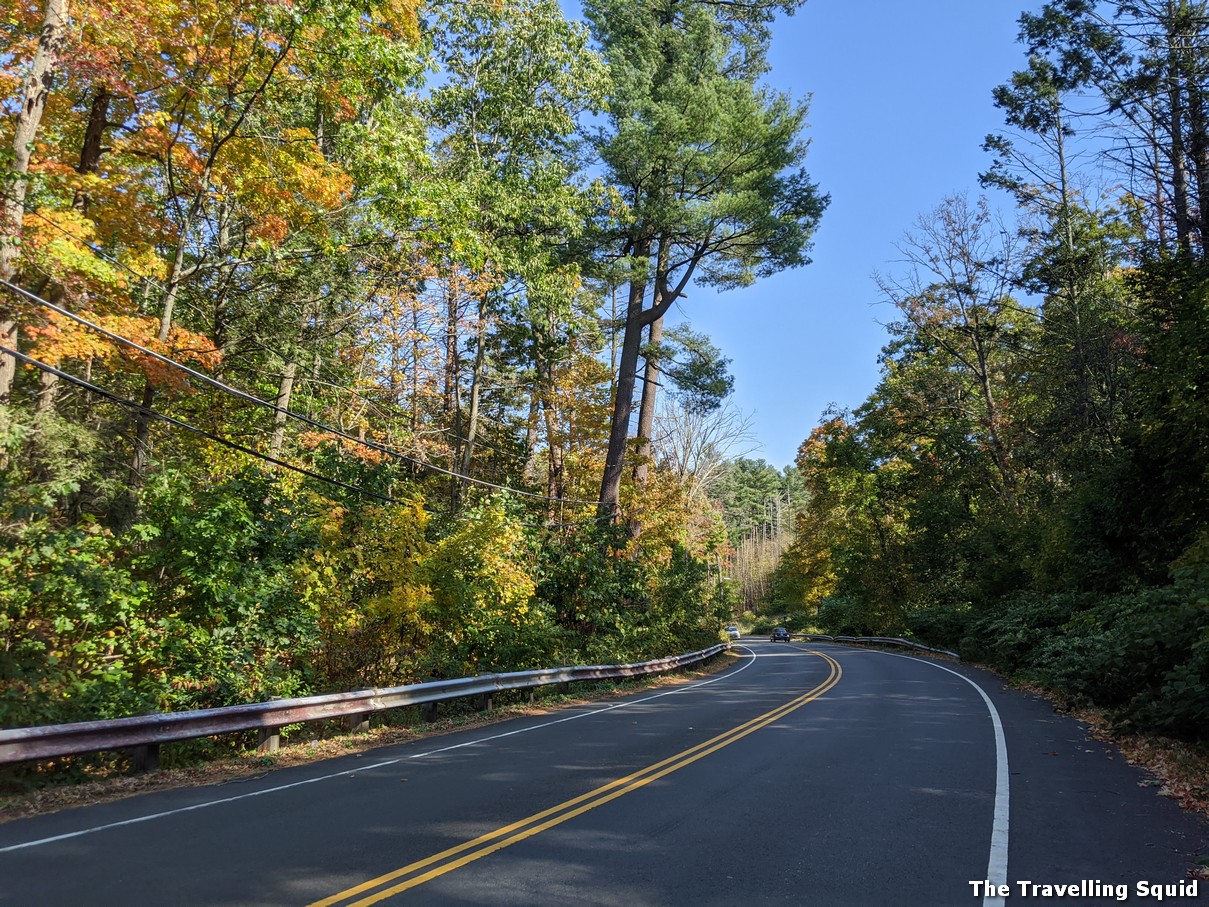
point(881, 641)
point(149, 731)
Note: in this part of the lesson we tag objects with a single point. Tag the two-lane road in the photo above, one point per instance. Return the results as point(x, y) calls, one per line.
point(803, 774)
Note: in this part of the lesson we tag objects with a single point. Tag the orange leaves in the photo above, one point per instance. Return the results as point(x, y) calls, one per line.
point(313, 440)
point(272, 229)
point(62, 338)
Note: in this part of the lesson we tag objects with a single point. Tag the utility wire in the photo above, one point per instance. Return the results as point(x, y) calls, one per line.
point(226, 442)
point(249, 398)
point(155, 414)
point(104, 256)
point(100, 253)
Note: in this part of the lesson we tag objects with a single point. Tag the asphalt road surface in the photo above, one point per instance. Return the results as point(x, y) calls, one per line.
point(804, 774)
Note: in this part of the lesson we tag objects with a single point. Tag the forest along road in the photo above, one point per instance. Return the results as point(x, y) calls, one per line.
point(803, 774)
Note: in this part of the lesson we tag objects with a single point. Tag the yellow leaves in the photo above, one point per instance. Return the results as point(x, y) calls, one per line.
point(398, 19)
point(283, 184)
point(663, 508)
point(368, 575)
point(56, 243)
point(401, 605)
point(481, 580)
point(146, 263)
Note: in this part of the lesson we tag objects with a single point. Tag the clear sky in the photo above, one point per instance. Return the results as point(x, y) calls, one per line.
point(901, 104)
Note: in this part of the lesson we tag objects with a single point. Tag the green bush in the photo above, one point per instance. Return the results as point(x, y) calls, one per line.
point(939, 625)
point(1006, 635)
point(1143, 655)
point(1138, 654)
point(70, 618)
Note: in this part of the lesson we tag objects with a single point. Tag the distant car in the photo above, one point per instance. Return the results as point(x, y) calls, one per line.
point(780, 634)
point(733, 632)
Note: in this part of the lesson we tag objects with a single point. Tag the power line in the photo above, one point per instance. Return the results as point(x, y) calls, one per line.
point(155, 282)
point(100, 253)
point(155, 414)
point(249, 398)
point(226, 442)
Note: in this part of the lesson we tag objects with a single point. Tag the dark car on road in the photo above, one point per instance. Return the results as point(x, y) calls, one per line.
point(780, 634)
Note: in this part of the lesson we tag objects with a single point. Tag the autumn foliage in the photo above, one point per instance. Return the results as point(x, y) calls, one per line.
point(391, 290)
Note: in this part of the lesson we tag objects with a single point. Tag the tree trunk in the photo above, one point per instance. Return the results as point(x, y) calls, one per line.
point(556, 478)
point(1198, 148)
point(142, 440)
point(37, 92)
point(650, 382)
point(142, 422)
point(637, 319)
point(452, 357)
point(646, 407)
point(623, 401)
point(93, 148)
point(530, 471)
point(1179, 161)
point(476, 389)
point(90, 162)
point(646, 419)
point(284, 390)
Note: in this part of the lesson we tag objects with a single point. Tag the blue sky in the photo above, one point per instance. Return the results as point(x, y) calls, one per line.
point(901, 104)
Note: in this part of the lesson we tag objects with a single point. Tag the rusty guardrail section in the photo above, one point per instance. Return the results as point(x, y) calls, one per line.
point(881, 641)
point(53, 741)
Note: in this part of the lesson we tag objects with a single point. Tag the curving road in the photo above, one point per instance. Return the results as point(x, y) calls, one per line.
point(803, 774)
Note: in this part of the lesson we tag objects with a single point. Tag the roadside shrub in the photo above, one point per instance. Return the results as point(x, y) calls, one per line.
point(69, 617)
point(939, 625)
point(1007, 634)
point(1142, 655)
point(596, 594)
point(482, 612)
point(688, 607)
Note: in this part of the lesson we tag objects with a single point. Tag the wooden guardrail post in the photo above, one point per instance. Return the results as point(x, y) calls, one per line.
point(268, 739)
point(145, 758)
point(482, 702)
point(358, 724)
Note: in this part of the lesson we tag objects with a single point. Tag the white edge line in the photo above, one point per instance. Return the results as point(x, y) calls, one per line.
point(365, 768)
point(997, 863)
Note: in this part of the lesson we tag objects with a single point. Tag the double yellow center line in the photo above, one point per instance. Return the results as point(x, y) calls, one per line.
point(429, 868)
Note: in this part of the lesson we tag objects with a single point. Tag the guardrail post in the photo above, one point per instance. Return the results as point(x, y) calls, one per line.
point(268, 740)
point(482, 702)
point(145, 758)
point(358, 724)
point(428, 710)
